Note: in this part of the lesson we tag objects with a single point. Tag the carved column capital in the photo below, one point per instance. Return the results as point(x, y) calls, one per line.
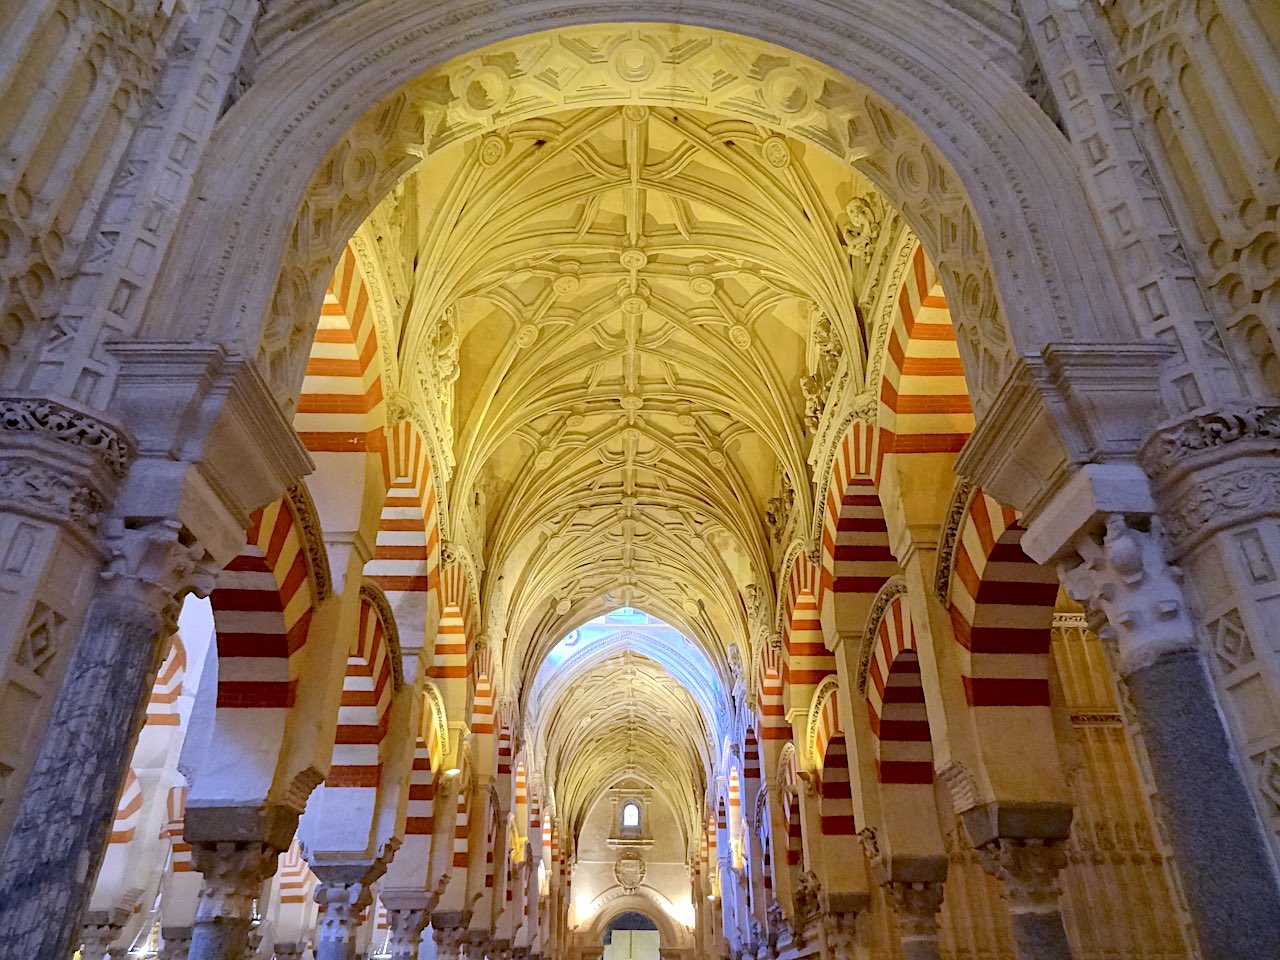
point(916, 904)
point(344, 892)
point(840, 929)
point(100, 930)
point(1132, 593)
point(289, 949)
point(1028, 869)
point(233, 874)
point(156, 564)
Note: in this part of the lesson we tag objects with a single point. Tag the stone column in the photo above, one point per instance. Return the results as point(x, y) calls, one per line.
point(175, 943)
point(234, 872)
point(64, 818)
point(1135, 602)
point(1028, 871)
point(916, 904)
point(99, 932)
point(344, 892)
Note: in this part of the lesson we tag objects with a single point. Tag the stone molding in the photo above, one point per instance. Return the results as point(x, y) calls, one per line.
point(317, 557)
point(1173, 445)
point(371, 592)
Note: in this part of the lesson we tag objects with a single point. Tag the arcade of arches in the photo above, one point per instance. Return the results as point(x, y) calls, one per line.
point(704, 479)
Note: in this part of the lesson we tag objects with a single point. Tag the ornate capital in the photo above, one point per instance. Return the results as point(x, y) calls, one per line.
point(1028, 868)
point(157, 564)
point(916, 904)
point(840, 929)
point(176, 944)
point(340, 907)
point(1133, 595)
point(233, 874)
point(289, 950)
point(100, 930)
point(53, 420)
point(1170, 447)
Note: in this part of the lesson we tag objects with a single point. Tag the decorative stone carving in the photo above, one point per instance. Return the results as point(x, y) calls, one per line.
point(629, 870)
point(916, 904)
point(893, 588)
point(233, 872)
point(308, 520)
point(1133, 595)
point(840, 930)
point(290, 950)
point(50, 492)
point(808, 907)
point(100, 930)
point(1028, 868)
point(960, 494)
point(151, 562)
point(864, 216)
point(960, 784)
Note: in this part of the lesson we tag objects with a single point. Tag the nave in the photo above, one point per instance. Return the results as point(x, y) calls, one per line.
point(522, 484)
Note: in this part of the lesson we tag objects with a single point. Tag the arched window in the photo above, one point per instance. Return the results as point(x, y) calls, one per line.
point(631, 815)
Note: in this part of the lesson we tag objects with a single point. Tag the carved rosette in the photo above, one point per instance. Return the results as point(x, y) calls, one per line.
point(233, 874)
point(1028, 870)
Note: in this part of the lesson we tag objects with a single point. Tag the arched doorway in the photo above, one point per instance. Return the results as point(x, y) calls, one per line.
point(632, 936)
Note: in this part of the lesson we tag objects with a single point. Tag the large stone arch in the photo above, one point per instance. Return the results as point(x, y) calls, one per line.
point(955, 143)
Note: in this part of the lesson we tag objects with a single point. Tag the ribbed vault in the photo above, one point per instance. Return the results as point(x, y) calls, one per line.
point(618, 312)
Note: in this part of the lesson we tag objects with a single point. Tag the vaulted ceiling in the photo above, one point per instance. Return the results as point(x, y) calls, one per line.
point(622, 319)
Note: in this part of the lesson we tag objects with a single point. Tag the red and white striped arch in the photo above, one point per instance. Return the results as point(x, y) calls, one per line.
point(791, 807)
point(175, 803)
point(296, 879)
point(924, 400)
point(341, 407)
point(482, 697)
point(808, 660)
point(454, 635)
point(1002, 605)
point(367, 690)
point(895, 701)
point(461, 830)
point(128, 811)
point(406, 555)
point(771, 710)
point(262, 608)
point(162, 707)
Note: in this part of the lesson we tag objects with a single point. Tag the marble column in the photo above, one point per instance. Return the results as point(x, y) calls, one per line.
point(916, 904)
point(345, 891)
point(60, 832)
point(175, 943)
point(1028, 871)
point(100, 930)
point(1135, 601)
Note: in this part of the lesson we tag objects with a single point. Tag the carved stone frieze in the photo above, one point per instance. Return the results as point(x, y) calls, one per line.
point(1179, 444)
point(51, 493)
point(68, 425)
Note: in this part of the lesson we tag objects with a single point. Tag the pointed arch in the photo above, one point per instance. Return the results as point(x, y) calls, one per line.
point(371, 679)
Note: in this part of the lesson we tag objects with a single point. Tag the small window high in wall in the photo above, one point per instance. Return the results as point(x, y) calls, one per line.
point(631, 815)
